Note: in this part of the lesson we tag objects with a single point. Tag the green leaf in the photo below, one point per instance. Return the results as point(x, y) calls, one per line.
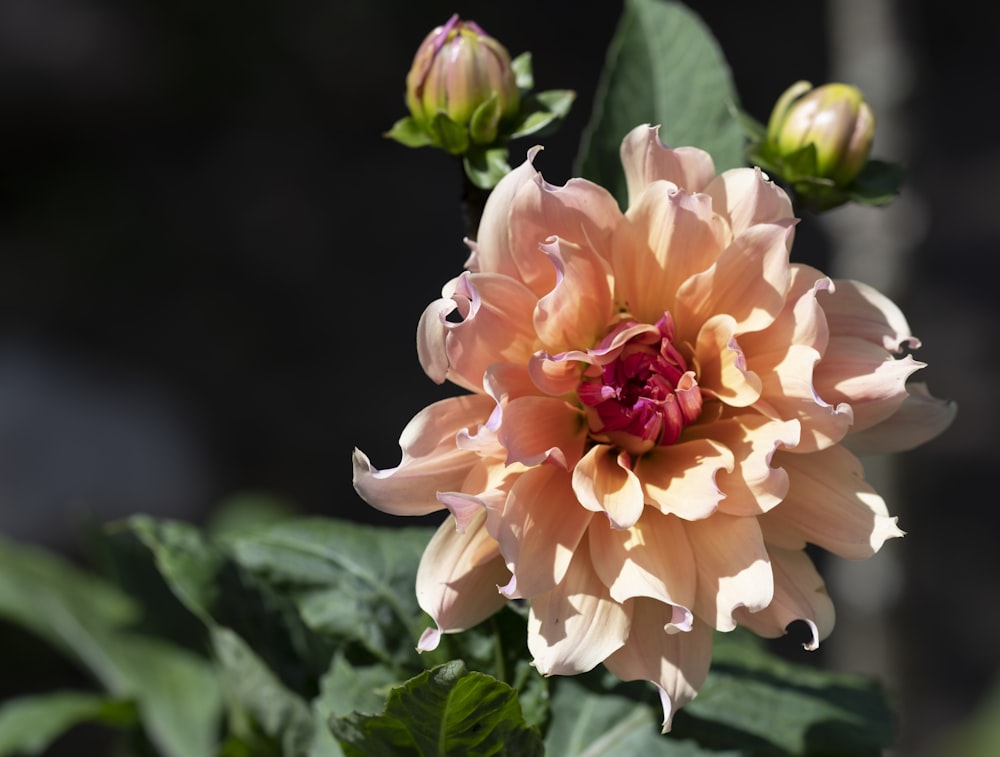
point(484, 121)
point(877, 184)
point(541, 112)
point(444, 711)
point(755, 699)
point(352, 582)
point(409, 133)
point(176, 693)
point(29, 725)
point(448, 135)
point(486, 167)
point(663, 67)
point(523, 77)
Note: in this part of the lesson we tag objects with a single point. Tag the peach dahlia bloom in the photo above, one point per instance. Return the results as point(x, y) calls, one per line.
point(662, 413)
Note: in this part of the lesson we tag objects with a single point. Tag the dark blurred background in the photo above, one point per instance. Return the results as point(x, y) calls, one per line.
point(212, 265)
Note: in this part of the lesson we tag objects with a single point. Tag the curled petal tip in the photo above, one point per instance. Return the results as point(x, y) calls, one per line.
point(429, 640)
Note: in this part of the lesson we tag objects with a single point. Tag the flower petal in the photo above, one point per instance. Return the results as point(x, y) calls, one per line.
point(672, 236)
point(603, 482)
point(431, 461)
point(722, 365)
point(733, 568)
point(680, 479)
point(540, 528)
point(576, 624)
point(799, 594)
point(536, 429)
point(747, 197)
point(830, 504)
point(576, 313)
point(858, 310)
point(458, 577)
point(651, 559)
point(919, 419)
point(748, 282)
point(646, 159)
point(677, 663)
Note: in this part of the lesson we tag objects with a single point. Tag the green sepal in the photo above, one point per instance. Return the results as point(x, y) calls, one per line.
point(408, 132)
point(877, 184)
point(484, 121)
point(541, 112)
point(486, 166)
point(523, 76)
point(448, 135)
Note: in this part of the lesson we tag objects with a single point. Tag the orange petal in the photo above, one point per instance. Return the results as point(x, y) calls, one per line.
point(431, 461)
point(747, 197)
point(540, 528)
point(722, 366)
point(603, 483)
point(646, 159)
point(458, 577)
point(680, 479)
point(677, 663)
point(830, 504)
point(535, 429)
point(799, 594)
point(733, 568)
point(576, 624)
point(651, 559)
point(919, 419)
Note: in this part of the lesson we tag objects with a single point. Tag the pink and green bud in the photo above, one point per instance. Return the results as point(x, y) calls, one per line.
point(834, 119)
point(466, 75)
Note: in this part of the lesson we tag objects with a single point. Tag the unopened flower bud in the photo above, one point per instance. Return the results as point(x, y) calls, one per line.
point(465, 74)
point(834, 118)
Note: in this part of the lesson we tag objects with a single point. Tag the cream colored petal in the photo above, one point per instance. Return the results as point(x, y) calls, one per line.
point(536, 429)
point(554, 375)
point(722, 365)
point(747, 197)
point(830, 504)
point(540, 528)
point(857, 310)
point(672, 236)
point(677, 663)
point(785, 355)
point(646, 159)
point(458, 577)
point(492, 250)
point(604, 483)
point(576, 313)
point(431, 461)
point(753, 485)
point(496, 326)
point(650, 559)
point(749, 282)
point(733, 568)
point(865, 376)
point(919, 419)
point(799, 594)
point(681, 479)
point(580, 212)
point(576, 624)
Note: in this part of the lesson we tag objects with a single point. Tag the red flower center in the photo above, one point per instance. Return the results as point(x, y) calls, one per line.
point(640, 393)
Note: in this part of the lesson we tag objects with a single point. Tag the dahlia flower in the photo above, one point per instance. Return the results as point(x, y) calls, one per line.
point(661, 414)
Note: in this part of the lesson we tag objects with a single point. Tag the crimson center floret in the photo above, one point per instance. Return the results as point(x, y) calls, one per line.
point(638, 390)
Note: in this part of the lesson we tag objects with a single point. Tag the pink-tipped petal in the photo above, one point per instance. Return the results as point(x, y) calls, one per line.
point(724, 371)
point(431, 460)
point(677, 663)
point(603, 482)
point(830, 504)
point(457, 578)
point(733, 568)
point(861, 311)
point(576, 624)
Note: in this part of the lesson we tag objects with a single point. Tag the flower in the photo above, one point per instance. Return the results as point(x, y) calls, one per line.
point(660, 417)
point(462, 76)
point(834, 119)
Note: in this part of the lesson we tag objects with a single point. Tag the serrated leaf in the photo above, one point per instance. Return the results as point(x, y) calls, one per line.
point(29, 725)
point(351, 581)
point(444, 711)
point(663, 67)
